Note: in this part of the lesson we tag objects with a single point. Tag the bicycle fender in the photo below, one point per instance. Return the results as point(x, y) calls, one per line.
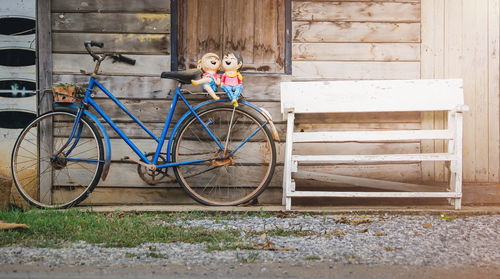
point(267, 116)
point(107, 160)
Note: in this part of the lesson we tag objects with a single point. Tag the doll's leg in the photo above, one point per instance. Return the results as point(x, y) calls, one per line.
point(237, 91)
point(201, 81)
point(227, 89)
point(210, 91)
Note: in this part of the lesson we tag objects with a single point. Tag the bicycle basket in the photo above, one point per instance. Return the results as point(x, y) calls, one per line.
point(66, 93)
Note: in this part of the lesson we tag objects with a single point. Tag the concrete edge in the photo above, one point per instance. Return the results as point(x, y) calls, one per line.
point(417, 210)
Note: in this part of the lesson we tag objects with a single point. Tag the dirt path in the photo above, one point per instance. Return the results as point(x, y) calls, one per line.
point(253, 270)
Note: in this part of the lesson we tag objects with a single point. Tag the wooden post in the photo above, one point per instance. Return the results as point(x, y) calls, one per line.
point(44, 77)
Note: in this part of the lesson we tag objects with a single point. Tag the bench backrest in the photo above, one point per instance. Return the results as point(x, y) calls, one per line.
point(371, 96)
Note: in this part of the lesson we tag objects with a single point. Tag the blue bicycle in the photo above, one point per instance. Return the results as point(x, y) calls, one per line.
point(221, 155)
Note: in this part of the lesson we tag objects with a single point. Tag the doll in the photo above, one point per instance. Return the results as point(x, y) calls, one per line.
point(209, 64)
point(232, 80)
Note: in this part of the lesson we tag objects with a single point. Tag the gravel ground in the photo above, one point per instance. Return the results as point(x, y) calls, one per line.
point(417, 241)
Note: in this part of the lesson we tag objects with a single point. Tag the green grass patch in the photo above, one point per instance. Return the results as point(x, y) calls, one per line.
point(50, 228)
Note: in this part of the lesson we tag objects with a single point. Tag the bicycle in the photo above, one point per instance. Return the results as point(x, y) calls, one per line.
point(59, 158)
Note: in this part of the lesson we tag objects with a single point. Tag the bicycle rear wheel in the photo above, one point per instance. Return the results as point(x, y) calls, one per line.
point(48, 180)
point(236, 178)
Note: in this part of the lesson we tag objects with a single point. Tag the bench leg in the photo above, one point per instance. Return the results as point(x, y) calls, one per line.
point(288, 205)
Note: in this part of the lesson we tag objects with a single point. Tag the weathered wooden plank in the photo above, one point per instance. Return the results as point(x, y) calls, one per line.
point(398, 1)
point(27, 73)
point(493, 89)
point(146, 65)
point(460, 65)
point(355, 11)
point(23, 42)
point(336, 32)
point(145, 6)
point(45, 62)
point(157, 110)
point(240, 39)
point(209, 29)
point(158, 195)
point(473, 195)
point(125, 175)
point(356, 51)
point(119, 22)
point(476, 46)
point(132, 87)
point(432, 66)
point(349, 70)
point(121, 43)
point(120, 148)
point(267, 43)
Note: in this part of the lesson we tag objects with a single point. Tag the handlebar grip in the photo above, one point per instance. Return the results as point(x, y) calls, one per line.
point(97, 44)
point(125, 59)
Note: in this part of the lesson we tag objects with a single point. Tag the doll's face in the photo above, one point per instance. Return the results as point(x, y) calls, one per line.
point(210, 62)
point(230, 63)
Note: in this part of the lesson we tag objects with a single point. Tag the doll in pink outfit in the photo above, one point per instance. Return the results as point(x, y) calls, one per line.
point(232, 80)
point(209, 64)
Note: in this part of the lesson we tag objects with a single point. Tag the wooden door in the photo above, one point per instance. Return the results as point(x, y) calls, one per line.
point(255, 28)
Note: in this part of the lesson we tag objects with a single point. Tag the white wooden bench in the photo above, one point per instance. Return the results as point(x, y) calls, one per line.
point(373, 96)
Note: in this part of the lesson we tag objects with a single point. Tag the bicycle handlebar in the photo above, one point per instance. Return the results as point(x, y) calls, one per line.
point(116, 57)
point(124, 59)
point(88, 44)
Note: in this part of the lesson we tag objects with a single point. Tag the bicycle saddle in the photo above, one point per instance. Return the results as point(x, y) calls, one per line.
point(183, 76)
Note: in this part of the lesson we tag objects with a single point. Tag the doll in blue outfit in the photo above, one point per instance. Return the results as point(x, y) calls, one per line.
point(232, 80)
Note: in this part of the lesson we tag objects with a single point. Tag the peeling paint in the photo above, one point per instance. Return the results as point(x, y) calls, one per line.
point(151, 16)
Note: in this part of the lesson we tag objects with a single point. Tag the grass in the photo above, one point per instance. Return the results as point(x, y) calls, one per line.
point(52, 228)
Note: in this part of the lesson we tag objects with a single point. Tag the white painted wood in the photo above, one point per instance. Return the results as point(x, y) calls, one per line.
point(376, 194)
point(374, 158)
point(371, 135)
point(18, 8)
point(458, 151)
point(371, 96)
point(18, 42)
point(26, 73)
point(27, 104)
point(287, 174)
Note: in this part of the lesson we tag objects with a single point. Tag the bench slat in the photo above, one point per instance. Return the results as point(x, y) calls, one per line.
point(371, 135)
point(375, 194)
point(371, 96)
point(375, 158)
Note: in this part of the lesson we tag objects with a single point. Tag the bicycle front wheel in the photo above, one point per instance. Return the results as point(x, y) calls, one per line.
point(235, 176)
point(51, 172)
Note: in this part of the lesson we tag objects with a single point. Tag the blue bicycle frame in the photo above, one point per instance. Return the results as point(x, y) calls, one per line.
point(88, 101)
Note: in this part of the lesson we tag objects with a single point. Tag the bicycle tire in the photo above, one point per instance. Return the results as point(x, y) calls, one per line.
point(67, 173)
point(217, 185)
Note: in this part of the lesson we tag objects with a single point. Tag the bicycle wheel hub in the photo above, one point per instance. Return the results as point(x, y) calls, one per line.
point(223, 161)
point(59, 162)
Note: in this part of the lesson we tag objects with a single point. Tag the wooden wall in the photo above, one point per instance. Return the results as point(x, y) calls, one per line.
point(460, 39)
point(331, 40)
point(352, 40)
